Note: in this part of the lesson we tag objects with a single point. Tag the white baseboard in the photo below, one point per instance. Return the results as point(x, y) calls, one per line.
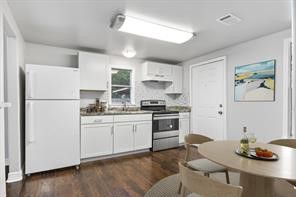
point(14, 176)
point(6, 162)
point(113, 155)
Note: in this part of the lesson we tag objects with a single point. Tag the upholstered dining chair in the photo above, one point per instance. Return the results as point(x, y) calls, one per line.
point(288, 143)
point(204, 165)
point(204, 186)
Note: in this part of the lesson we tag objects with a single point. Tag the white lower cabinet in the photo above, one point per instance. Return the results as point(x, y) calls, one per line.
point(184, 126)
point(96, 140)
point(143, 135)
point(132, 136)
point(106, 135)
point(123, 137)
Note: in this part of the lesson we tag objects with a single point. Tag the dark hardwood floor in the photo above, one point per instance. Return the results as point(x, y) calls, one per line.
point(127, 176)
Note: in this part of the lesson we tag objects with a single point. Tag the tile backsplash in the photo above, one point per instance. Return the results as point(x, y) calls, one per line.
point(143, 91)
point(156, 91)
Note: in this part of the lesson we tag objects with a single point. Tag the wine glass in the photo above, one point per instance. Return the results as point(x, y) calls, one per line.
point(252, 137)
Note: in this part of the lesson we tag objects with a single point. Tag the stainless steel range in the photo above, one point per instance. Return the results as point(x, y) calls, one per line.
point(165, 125)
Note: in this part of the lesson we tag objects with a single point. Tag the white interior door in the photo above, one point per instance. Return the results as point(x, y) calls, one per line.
point(207, 99)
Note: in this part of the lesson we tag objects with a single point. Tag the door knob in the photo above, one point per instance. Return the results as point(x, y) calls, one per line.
point(220, 112)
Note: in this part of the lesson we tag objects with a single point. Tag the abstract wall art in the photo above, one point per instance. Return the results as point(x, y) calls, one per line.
point(255, 82)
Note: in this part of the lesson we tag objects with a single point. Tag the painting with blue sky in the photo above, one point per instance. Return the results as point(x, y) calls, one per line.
point(255, 82)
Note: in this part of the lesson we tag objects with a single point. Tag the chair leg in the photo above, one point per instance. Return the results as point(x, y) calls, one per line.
point(227, 177)
point(180, 188)
point(182, 191)
point(207, 174)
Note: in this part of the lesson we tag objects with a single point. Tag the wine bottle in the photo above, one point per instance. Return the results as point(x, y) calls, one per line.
point(244, 142)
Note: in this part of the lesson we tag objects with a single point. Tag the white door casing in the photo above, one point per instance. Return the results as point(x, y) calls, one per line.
point(2, 121)
point(288, 91)
point(2, 143)
point(208, 98)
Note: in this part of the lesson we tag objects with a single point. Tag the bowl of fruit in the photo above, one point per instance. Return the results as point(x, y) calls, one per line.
point(262, 153)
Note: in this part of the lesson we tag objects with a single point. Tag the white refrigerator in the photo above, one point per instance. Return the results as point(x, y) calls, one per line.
point(52, 118)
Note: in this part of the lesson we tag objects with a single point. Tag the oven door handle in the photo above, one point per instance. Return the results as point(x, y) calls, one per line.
point(166, 118)
point(165, 115)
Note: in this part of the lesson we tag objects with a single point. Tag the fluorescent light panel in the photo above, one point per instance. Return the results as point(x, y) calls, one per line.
point(151, 30)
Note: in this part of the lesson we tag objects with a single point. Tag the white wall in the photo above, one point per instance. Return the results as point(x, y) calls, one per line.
point(42, 54)
point(262, 118)
point(16, 91)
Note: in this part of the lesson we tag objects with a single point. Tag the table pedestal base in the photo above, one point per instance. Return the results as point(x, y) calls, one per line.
point(256, 186)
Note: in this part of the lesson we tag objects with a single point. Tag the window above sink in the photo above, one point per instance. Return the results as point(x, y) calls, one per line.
point(122, 88)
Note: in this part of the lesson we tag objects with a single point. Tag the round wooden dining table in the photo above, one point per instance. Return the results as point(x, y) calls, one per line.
point(256, 176)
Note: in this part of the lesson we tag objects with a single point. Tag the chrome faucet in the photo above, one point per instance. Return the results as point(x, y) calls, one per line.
point(124, 101)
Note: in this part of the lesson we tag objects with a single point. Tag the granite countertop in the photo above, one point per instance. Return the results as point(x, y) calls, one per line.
point(134, 110)
point(180, 109)
point(113, 112)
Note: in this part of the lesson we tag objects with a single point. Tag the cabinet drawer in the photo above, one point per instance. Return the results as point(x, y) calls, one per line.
point(96, 119)
point(132, 118)
point(184, 115)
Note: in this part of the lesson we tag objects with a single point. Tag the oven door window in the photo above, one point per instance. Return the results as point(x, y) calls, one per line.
point(165, 125)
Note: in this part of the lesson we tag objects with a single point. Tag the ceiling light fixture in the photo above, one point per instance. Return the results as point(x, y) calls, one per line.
point(144, 28)
point(129, 53)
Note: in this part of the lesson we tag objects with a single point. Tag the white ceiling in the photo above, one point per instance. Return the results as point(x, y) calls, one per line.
point(84, 24)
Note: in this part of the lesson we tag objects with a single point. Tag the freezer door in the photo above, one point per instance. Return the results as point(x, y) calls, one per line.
point(52, 135)
point(52, 82)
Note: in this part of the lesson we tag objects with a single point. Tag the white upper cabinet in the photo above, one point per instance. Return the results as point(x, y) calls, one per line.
point(153, 71)
point(176, 86)
point(93, 71)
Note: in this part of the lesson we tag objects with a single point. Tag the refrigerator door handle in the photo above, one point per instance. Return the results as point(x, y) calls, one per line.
point(5, 105)
point(30, 123)
point(30, 84)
